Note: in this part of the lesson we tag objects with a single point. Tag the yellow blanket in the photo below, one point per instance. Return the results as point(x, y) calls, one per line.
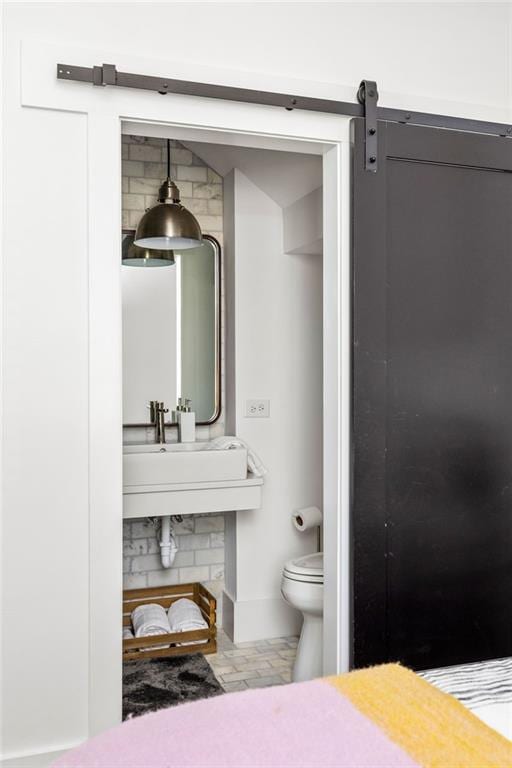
point(432, 727)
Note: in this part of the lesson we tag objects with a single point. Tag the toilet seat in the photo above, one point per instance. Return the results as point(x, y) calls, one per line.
point(308, 569)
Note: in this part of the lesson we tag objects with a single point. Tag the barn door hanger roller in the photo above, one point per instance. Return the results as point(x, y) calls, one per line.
point(367, 95)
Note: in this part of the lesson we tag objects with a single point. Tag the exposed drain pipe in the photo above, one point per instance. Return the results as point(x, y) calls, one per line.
point(168, 547)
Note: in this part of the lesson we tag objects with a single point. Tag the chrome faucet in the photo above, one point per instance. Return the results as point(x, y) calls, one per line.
point(157, 414)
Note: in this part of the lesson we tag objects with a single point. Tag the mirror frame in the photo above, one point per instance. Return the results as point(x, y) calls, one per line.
point(218, 307)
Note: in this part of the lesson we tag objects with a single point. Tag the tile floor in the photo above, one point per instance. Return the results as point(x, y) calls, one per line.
point(485, 687)
point(253, 665)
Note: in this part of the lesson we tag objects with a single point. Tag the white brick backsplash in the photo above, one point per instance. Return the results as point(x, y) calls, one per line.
point(196, 573)
point(135, 580)
point(145, 153)
point(186, 525)
point(217, 572)
point(134, 218)
point(137, 547)
point(140, 529)
point(213, 176)
point(156, 171)
point(183, 558)
point(196, 206)
point(149, 201)
point(194, 541)
point(211, 223)
point(216, 589)
point(178, 156)
point(208, 191)
point(144, 186)
point(200, 538)
point(208, 524)
point(191, 173)
point(209, 556)
point(153, 546)
point(146, 563)
point(185, 188)
point(163, 576)
point(214, 207)
point(133, 168)
point(133, 202)
point(216, 540)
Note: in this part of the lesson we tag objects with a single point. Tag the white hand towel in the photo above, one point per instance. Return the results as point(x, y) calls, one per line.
point(127, 633)
point(226, 442)
point(150, 619)
point(184, 615)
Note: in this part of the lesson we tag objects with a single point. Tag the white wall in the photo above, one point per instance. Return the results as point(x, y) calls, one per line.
point(45, 568)
point(439, 57)
point(278, 356)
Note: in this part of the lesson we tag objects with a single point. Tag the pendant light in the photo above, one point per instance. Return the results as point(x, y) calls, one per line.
point(134, 256)
point(168, 225)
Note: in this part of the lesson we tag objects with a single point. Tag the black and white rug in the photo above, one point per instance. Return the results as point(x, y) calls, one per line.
point(475, 685)
point(159, 683)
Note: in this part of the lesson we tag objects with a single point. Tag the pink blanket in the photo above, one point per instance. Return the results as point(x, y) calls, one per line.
point(385, 717)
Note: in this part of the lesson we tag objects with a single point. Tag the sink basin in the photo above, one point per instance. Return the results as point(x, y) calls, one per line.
point(181, 463)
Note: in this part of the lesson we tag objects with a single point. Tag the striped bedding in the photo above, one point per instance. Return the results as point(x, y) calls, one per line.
point(382, 717)
point(476, 684)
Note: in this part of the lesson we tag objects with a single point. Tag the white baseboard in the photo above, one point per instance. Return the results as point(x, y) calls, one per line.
point(250, 620)
point(35, 759)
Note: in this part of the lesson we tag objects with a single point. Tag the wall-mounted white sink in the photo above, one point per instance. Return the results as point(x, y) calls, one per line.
point(181, 463)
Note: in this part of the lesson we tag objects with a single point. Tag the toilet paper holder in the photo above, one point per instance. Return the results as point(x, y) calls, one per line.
point(307, 518)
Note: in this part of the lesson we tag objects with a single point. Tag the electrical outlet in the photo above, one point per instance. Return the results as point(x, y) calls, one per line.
point(257, 409)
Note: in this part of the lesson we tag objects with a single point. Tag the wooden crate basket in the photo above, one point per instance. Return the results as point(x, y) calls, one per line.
point(179, 643)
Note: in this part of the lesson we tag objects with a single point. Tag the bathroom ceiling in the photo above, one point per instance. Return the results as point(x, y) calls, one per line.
point(284, 176)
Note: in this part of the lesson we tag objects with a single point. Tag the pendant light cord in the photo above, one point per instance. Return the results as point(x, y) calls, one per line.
point(168, 158)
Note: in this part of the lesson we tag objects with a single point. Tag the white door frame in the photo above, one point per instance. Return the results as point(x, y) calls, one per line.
point(253, 125)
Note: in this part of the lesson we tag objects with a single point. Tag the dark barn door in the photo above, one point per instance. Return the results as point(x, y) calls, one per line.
point(432, 398)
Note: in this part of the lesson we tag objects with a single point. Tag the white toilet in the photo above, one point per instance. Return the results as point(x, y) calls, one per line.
point(302, 587)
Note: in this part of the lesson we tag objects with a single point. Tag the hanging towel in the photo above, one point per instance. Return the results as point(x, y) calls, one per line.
point(226, 442)
point(185, 616)
point(150, 619)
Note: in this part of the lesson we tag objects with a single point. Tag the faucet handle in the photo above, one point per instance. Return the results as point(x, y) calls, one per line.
point(152, 405)
point(160, 407)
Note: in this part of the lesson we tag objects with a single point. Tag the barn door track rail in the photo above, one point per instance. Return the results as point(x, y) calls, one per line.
point(366, 106)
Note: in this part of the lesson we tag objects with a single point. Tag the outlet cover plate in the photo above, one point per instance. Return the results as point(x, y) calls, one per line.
point(257, 409)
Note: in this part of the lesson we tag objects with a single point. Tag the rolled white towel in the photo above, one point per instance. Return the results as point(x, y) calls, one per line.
point(226, 442)
point(127, 633)
point(150, 619)
point(185, 615)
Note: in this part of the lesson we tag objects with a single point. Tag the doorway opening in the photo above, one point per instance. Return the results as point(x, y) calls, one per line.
point(238, 333)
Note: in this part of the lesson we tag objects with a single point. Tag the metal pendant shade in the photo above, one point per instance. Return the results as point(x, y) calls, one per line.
point(168, 225)
point(135, 256)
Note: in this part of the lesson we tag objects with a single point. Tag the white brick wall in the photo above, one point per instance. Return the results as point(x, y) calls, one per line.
point(200, 538)
point(200, 557)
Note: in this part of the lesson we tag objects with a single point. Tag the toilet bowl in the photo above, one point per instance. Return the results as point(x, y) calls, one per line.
point(302, 586)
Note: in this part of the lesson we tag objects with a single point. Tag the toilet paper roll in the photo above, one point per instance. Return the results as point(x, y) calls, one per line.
point(309, 517)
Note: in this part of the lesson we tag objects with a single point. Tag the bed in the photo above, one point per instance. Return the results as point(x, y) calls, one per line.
point(379, 717)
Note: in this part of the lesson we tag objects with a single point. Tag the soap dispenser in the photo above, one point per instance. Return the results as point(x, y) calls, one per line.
point(186, 423)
